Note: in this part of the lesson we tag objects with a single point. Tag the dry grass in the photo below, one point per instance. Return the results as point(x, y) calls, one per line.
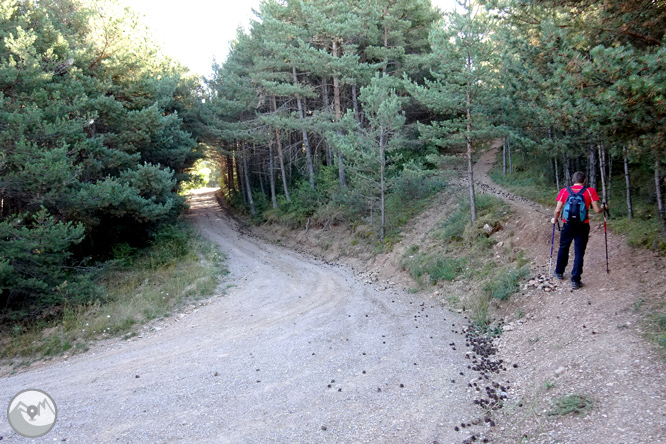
point(150, 286)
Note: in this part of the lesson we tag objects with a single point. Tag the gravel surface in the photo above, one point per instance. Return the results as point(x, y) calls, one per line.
point(297, 351)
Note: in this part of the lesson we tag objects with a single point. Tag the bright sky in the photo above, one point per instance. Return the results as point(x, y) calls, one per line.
point(196, 31)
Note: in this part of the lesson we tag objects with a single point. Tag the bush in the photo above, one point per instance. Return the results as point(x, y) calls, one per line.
point(169, 244)
point(529, 178)
point(35, 252)
point(574, 404)
point(436, 267)
point(659, 326)
point(458, 229)
point(504, 284)
point(643, 233)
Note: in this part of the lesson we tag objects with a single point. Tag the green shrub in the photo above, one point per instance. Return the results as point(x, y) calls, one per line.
point(643, 233)
point(659, 323)
point(458, 229)
point(504, 284)
point(445, 269)
point(169, 244)
point(436, 267)
point(35, 257)
point(123, 253)
point(177, 266)
point(571, 404)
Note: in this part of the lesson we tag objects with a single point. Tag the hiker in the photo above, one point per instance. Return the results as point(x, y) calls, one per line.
point(576, 225)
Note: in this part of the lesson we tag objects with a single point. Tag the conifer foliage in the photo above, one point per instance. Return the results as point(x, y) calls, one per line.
point(297, 111)
point(96, 129)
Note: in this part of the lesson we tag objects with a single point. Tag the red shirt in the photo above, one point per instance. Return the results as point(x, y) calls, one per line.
point(590, 196)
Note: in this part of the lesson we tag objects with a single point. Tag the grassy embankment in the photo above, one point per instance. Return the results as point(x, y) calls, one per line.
point(529, 179)
point(137, 287)
point(330, 205)
point(464, 251)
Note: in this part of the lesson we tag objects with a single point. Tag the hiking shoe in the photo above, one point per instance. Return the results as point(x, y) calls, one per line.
point(558, 276)
point(576, 285)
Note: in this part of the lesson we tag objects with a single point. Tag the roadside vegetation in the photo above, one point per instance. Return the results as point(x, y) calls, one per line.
point(467, 252)
point(572, 404)
point(97, 133)
point(134, 288)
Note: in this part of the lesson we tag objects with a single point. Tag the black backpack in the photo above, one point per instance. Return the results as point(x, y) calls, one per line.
point(575, 211)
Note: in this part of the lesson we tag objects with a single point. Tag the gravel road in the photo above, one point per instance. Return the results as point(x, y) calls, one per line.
point(297, 351)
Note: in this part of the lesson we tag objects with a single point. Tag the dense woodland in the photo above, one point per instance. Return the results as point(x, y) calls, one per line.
point(96, 130)
point(325, 111)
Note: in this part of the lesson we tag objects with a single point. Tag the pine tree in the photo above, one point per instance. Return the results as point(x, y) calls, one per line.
point(91, 134)
point(367, 148)
point(463, 91)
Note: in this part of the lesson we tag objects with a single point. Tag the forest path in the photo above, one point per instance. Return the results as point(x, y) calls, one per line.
point(588, 342)
point(255, 365)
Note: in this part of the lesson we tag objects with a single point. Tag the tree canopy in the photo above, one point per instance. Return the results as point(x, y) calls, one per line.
point(97, 128)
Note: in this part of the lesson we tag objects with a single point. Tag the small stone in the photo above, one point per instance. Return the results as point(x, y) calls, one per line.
point(559, 371)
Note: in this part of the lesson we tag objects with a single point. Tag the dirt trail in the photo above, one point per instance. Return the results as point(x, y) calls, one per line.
point(255, 365)
point(587, 342)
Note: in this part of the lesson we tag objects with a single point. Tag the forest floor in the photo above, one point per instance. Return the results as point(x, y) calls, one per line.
point(584, 352)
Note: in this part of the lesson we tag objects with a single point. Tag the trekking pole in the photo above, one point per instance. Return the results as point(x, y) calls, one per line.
point(606, 234)
point(552, 244)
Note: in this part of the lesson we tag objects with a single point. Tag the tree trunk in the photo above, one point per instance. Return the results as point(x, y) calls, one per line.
point(262, 170)
point(609, 177)
point(246, 175)
point(660, 200)
point(593, 167)
point(357, 114)
point(230, 176)
point(237, 176)
point(508, 149)
point(278, 140)
point(504, 157)
point(338, 117)
point(306, 141)
point(602, 169)
point(567, 170)
point(324, 95)
point(470, 170)
point(382, 167)
point(557, 173)
point(271, 175)
point(240, 171)
point(630, 210)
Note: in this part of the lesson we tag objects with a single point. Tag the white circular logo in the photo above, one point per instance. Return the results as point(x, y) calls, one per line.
point(32, 413)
